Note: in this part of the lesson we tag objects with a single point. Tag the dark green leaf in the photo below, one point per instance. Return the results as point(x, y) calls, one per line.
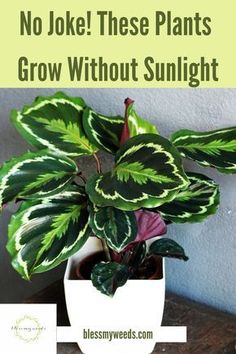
point(148, 172)
point(55, 123)
point(167, 248)
point(107, 277)
point(44, 233)
point(215, 148)
point(104, 132)
point(194, 204)
point(97, 220)
point(117, 227)
point(35, 174)
point(138, 254)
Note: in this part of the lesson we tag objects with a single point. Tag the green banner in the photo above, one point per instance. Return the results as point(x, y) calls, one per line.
point(118, 44)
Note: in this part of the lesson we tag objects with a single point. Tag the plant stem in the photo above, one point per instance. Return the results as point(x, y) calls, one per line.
point(126, 258)
point(125, 132)
point(128, 102)
point(106, 250)
point(98, 163)
point(80, 175)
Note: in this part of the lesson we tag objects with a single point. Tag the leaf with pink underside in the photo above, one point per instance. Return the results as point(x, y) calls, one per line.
point(150, 225)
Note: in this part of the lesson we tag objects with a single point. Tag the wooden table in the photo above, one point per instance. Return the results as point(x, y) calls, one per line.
point(209, 331)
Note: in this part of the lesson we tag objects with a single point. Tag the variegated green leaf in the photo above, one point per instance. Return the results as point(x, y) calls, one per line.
point(215, 148)
point(104, 132)
point(148, 172)
point(44, 233)
point(117, 227)
point(138, 125)
point(166, 247)
point(134, 125)
point(96, 220)
point(195, 203)
point(35, 174)
point(55, 123)
point(107, 277)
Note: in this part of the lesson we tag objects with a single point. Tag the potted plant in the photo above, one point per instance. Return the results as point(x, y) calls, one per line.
point(63, 213)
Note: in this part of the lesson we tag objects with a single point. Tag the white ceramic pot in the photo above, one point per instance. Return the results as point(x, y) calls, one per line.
point(135, 310)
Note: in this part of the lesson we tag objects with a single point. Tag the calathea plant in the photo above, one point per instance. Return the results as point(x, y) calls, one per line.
point(146, 189)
